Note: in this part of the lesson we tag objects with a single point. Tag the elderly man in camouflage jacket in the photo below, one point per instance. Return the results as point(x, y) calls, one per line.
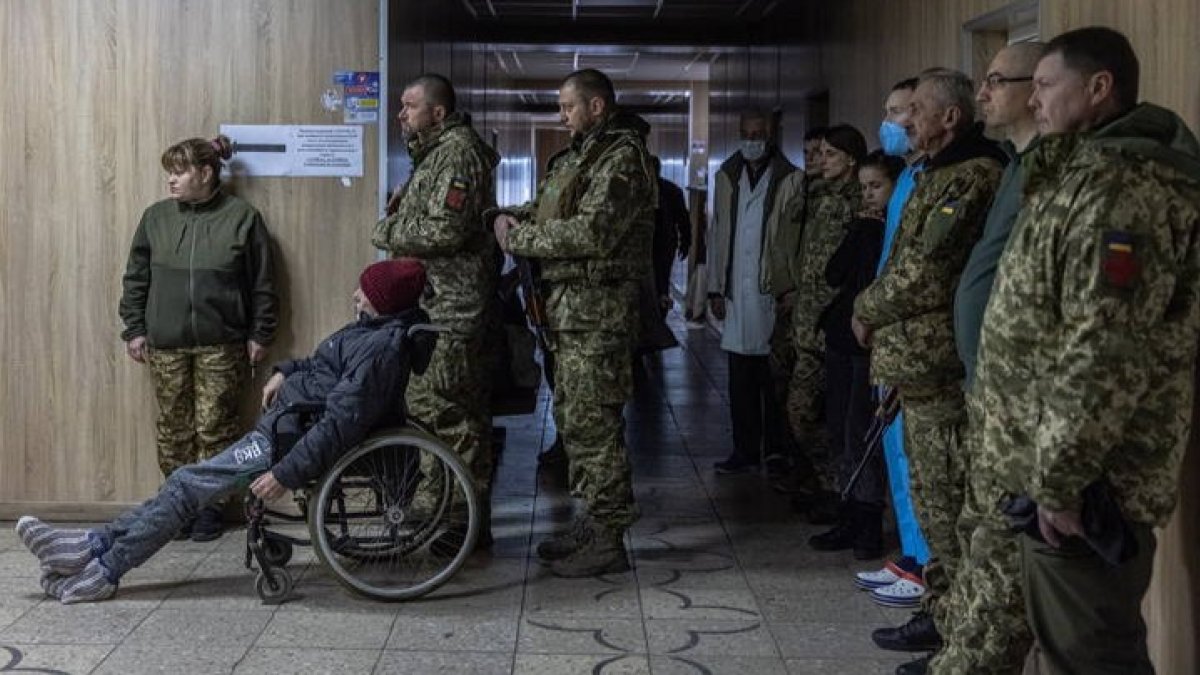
point(591, 226)
point(437, 217)
point(906, 314)
point(1088, 350)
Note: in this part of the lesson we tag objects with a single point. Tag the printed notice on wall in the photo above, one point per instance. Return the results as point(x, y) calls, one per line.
point(296, 150)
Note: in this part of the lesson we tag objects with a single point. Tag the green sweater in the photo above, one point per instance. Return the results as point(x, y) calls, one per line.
point(200, 275)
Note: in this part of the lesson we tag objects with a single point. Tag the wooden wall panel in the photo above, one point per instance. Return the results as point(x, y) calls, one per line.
point(870, 44)
point(94, 91)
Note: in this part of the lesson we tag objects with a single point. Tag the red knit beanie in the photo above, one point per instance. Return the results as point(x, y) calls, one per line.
point(393, 286)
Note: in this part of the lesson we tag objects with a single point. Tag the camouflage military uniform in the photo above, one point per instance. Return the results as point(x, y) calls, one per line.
point(439, 220)
point(909, 309)
point(591, 226)
point(198, 390)
point(1086, 363)
point(985, 631)
point(821, 219)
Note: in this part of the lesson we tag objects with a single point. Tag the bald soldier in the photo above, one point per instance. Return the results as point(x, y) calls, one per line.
point(436, 217)
point(985, 627)
point(591, 226)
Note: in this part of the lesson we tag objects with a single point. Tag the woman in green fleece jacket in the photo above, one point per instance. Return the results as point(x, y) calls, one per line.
point(199, 307)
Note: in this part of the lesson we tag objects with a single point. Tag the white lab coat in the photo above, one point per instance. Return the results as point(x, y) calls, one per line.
point(749, 313)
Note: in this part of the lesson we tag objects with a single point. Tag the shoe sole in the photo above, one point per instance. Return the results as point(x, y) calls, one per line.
point(870, 585)
point(611, 569)
point(912, 649)
point(202, 537)
point(896, 604)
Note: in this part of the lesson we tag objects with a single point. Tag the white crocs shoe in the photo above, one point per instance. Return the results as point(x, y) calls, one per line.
point(905, 592)
point(893, 571)
point(872, 579)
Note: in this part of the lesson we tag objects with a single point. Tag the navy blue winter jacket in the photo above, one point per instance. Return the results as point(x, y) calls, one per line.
point(360, 373)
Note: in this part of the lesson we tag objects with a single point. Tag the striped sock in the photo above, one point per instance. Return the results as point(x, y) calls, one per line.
point(90, 585)
point(52, 583)
point(62, 551)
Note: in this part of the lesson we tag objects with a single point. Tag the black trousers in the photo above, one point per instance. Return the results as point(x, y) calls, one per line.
point(757, 415)
point(848, 412)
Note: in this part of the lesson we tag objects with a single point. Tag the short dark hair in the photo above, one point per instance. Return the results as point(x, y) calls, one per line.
point(816, 134)
point(847, 139)
point(753, 113)
point(907, 83)
point(889, 165)
point(1096, 48)
point(438, 90)
point(592, 84)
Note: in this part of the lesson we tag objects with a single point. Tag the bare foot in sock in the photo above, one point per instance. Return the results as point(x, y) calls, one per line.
point(90, 585)
point(63, 551)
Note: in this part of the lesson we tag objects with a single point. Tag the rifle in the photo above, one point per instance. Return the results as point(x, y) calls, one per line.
point(885, 414)
point(535, 310)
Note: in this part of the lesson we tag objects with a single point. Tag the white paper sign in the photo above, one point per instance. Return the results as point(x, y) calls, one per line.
point(296, 150)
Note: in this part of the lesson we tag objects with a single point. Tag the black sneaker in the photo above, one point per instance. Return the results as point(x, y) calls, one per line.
point(918, 667)
point(840, 538)
point(735, 464)
point(918, 635)
point(209, 524)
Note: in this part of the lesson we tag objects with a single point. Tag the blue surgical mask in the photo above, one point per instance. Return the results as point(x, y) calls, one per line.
point(893, 139)
point(752, 151)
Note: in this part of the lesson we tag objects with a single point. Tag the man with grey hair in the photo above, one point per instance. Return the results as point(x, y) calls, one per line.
point(987, 633)
point(906, 317)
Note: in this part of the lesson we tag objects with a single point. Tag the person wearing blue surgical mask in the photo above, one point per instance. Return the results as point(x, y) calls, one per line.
point(751, 237)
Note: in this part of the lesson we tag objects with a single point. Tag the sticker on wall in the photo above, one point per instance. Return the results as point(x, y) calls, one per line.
point(360, 98)
point(331, 100)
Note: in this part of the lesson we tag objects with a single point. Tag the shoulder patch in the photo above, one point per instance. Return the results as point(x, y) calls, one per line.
point(456, 194)
point(1119, 263)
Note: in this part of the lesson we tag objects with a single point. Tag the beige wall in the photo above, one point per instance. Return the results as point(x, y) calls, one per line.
point(94, 90)
point(871, 44)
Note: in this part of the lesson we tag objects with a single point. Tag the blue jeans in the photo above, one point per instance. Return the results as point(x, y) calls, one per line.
point(139, 533)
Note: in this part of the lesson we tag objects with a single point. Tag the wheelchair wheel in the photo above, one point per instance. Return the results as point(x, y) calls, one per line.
point(395, 517)
point(278, 552)
point(282, 580)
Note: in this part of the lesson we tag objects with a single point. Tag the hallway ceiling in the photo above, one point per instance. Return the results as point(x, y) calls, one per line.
point(666, 10)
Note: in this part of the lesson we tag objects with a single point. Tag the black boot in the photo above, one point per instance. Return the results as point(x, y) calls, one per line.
point(868, 531)
point(918, 667)
point(825, 508)
point(918, 635)
point(565, 543)
point(841, 537)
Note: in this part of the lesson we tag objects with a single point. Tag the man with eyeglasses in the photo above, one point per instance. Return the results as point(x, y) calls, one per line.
point(985, 630)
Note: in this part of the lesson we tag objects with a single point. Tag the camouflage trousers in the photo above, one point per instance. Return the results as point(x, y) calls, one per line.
point(198, 391)
point(450, 400)
point(806, 418)
point(985, 630)
point(933, 425)
point(595, 378)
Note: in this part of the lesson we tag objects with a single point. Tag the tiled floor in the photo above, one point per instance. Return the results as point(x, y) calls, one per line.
point(723, 581)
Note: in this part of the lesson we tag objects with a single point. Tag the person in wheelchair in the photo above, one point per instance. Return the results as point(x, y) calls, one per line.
point(359, 373)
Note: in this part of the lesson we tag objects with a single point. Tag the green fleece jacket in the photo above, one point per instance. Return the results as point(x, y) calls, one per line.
point(200, 275)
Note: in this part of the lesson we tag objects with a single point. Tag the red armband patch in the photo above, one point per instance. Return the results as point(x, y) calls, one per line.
point(456, 195)
point(1119, 263)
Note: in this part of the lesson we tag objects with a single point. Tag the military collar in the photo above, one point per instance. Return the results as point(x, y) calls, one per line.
point(970, 145)
point(420, 144)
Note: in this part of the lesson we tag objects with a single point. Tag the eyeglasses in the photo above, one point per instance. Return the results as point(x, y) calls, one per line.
point(996, 80)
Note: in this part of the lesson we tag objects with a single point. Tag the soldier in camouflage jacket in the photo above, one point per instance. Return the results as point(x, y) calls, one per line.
point(1088, 351)
point(906, 314)
point(591, 227)
point(438, 219)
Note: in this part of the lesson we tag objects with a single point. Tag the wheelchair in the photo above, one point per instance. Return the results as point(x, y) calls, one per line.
point(393, 519)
